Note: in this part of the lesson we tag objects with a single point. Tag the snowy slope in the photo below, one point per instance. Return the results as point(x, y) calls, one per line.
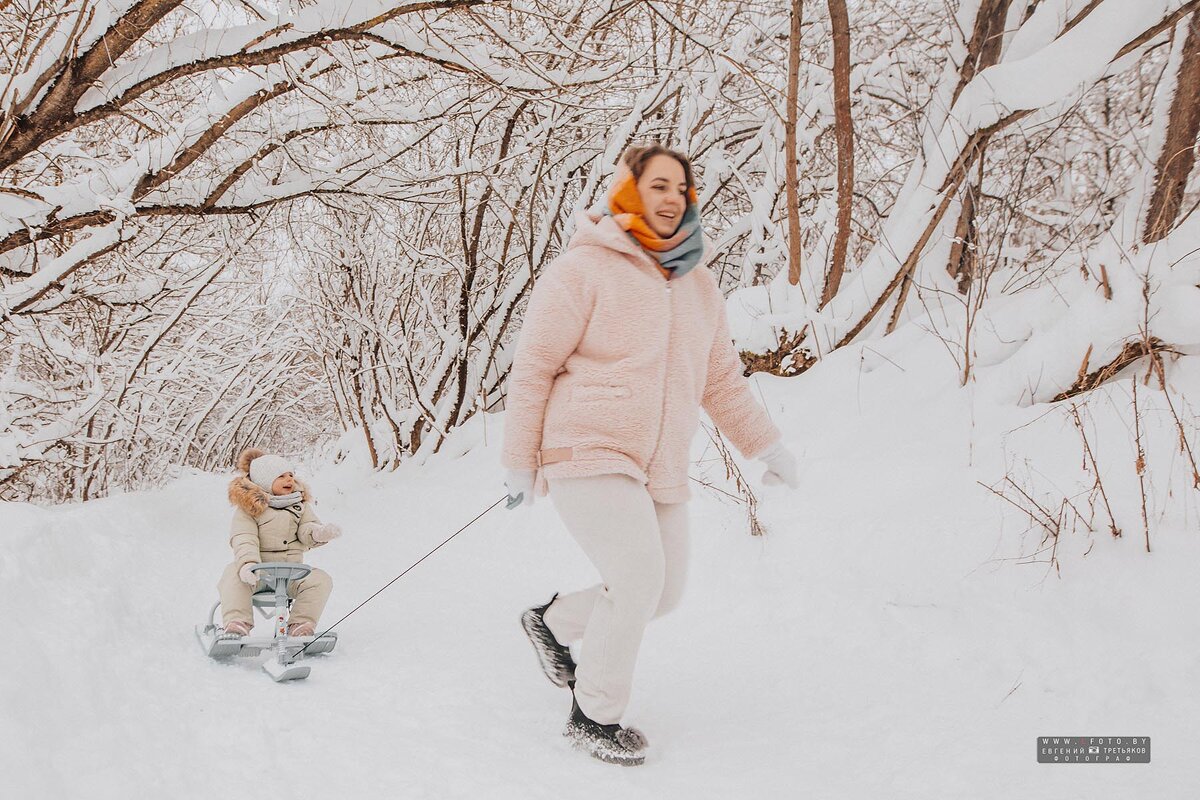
point(885, 639)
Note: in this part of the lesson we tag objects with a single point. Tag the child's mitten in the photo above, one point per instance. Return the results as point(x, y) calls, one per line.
point(326, 532)
point(246, 575)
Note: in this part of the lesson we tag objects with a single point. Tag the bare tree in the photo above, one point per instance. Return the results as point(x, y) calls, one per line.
point(974, 119)
point(218, 224)
point(1178, 153)
point(793, 200)
point(983, 51)
point(133, 142)
point(844, 125)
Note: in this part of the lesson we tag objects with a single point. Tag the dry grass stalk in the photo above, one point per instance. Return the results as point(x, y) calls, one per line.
point(1185, 447)
point(1098, 486)
point(1054, 521)
point(1140, 463)
point(745, 494)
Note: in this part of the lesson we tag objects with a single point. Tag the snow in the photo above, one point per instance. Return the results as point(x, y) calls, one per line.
point(1039, 71)
point(1053, 72)
point(903, 630)
point(15, 296)
point(888, 637)
point(96, 19)
point(212, 43)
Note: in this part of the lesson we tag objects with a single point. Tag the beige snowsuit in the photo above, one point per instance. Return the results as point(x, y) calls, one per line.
point(260, 533)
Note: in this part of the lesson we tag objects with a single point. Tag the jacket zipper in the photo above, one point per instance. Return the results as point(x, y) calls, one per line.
point(662, 415)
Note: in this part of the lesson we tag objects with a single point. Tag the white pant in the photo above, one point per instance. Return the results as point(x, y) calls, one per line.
point(640, 548)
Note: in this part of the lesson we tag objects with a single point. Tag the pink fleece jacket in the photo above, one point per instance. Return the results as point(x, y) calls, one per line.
point(613, 363)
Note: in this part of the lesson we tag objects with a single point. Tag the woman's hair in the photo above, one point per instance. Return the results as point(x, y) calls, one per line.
point(636, 158)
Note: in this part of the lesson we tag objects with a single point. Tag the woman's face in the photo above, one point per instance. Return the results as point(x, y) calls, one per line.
point(284, 484)
point(663, 189)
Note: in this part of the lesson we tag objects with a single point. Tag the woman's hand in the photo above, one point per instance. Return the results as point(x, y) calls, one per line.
point(781, 466)
point(519, 483)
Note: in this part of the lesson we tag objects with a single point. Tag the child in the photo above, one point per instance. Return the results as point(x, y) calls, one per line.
point(273, 521)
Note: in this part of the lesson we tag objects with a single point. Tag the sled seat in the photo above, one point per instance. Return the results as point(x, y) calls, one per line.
point(271, 574)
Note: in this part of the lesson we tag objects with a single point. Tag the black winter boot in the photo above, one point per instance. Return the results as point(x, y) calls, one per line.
point(609, 743)
point(555, 658)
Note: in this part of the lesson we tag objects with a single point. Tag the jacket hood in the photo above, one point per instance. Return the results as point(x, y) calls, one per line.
point(246, 494)
point(593, 228)
point(250, 497)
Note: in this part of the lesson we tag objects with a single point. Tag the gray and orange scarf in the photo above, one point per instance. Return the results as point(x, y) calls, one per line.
point(676, 254)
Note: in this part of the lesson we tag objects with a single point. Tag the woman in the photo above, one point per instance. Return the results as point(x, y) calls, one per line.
point(624, 339)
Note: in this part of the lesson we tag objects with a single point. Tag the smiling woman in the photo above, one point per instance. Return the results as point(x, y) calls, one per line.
point(624, 339)
point(653, 199)
point(664, 181)
point(664, 190)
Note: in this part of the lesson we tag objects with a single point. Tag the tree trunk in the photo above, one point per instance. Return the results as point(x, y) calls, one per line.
point(987, 37)
point(844, 127)
point(1178, 154)
point(964, 258)
point(361, 406)
point(983, 51)
point(793, 199)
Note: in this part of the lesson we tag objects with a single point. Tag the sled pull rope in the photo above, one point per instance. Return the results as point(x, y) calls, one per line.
point(402, 574)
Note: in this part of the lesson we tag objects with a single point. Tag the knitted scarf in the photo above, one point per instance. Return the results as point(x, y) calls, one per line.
point(285, 500)
point(675, 254)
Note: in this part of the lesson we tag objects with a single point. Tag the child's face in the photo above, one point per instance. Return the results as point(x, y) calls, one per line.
point(284, 484)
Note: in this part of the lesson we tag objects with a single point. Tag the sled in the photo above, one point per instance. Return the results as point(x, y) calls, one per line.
point(270, 599)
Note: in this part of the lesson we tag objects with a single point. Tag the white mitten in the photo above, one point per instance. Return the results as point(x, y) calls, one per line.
point(781, 466)
point(519, 483)
point(326, 532)
point(247, 576)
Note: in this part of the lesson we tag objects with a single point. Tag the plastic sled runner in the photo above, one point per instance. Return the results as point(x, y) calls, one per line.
point(271, 600)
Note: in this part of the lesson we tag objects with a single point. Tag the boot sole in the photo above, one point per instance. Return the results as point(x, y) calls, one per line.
point(548, 667)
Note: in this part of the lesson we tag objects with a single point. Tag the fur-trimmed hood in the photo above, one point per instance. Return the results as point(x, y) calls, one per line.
point(248, 495)
point(251, 498)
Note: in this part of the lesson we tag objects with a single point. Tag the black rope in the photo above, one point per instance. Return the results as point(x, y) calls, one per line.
point(401, 575)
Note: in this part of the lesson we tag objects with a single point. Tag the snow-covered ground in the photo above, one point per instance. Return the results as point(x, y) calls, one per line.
point(887, 638)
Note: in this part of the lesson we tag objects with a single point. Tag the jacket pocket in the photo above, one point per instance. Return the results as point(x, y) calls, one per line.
point(590, 393)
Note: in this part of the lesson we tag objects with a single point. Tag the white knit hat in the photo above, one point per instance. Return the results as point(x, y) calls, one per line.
point(265, 469)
